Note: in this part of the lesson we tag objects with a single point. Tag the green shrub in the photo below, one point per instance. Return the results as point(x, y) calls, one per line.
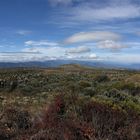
point(102, 78)
point(84, 84)
point(89, 91)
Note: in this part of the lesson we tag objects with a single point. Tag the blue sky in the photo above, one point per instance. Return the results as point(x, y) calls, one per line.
point(39, 30)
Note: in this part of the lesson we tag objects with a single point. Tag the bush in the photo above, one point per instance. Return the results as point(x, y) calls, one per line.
point(13, 122)
point(89, 91)
point(13, 85)
point(116, 95)
point(55, 125)
point(19, 119)
point(84, 84)
point(102, 78)
point(104, 119)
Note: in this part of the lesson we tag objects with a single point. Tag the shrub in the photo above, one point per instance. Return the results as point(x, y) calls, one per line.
point(55, 125)
point(84, 84)
point(13, 85)
point(104, 119)
point(13, 122)
point(19, 119)
point(116, 95)
point(102, 78)
point(90, 91)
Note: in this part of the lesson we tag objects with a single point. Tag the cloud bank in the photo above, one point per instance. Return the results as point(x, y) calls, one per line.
point(77, 50)
point(92, 36)
point(89, 13)
point(111, 45)
point(40, 43)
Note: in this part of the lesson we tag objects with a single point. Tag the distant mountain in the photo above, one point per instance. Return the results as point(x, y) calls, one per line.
point(135, 66)
point(56, 63)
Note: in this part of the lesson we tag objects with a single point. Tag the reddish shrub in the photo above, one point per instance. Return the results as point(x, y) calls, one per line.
point(52, 124)
point(104, 119)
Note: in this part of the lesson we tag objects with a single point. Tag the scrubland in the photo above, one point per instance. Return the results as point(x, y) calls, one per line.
point(70, 102)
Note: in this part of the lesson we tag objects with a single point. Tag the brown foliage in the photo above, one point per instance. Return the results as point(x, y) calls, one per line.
point(54, 125)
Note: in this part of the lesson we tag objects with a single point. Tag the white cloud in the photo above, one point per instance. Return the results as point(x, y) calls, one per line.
point(92, 36)
point(56, 52)
point(23, 32)
point(40, 43)
point(111, 45)
point(80, 53)
point(92, 56)
point(44, 54)
point(36, 56)
point(26, 57)
point(47, 51)
point(89, 13)
point(17, 56)
point(80, 49)
point(126, 58)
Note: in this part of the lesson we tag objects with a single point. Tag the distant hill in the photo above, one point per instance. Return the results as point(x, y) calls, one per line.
point(135, 66)
point(56, 63)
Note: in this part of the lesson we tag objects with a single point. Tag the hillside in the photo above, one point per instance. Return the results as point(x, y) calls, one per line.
point(70, 102)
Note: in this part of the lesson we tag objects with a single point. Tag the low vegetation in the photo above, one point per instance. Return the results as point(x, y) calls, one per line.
point(69, 103)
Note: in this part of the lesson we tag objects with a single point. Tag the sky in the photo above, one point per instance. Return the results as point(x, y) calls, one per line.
point(93, 30)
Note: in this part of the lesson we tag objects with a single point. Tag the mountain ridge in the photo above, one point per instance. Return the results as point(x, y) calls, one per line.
point(57, 63)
